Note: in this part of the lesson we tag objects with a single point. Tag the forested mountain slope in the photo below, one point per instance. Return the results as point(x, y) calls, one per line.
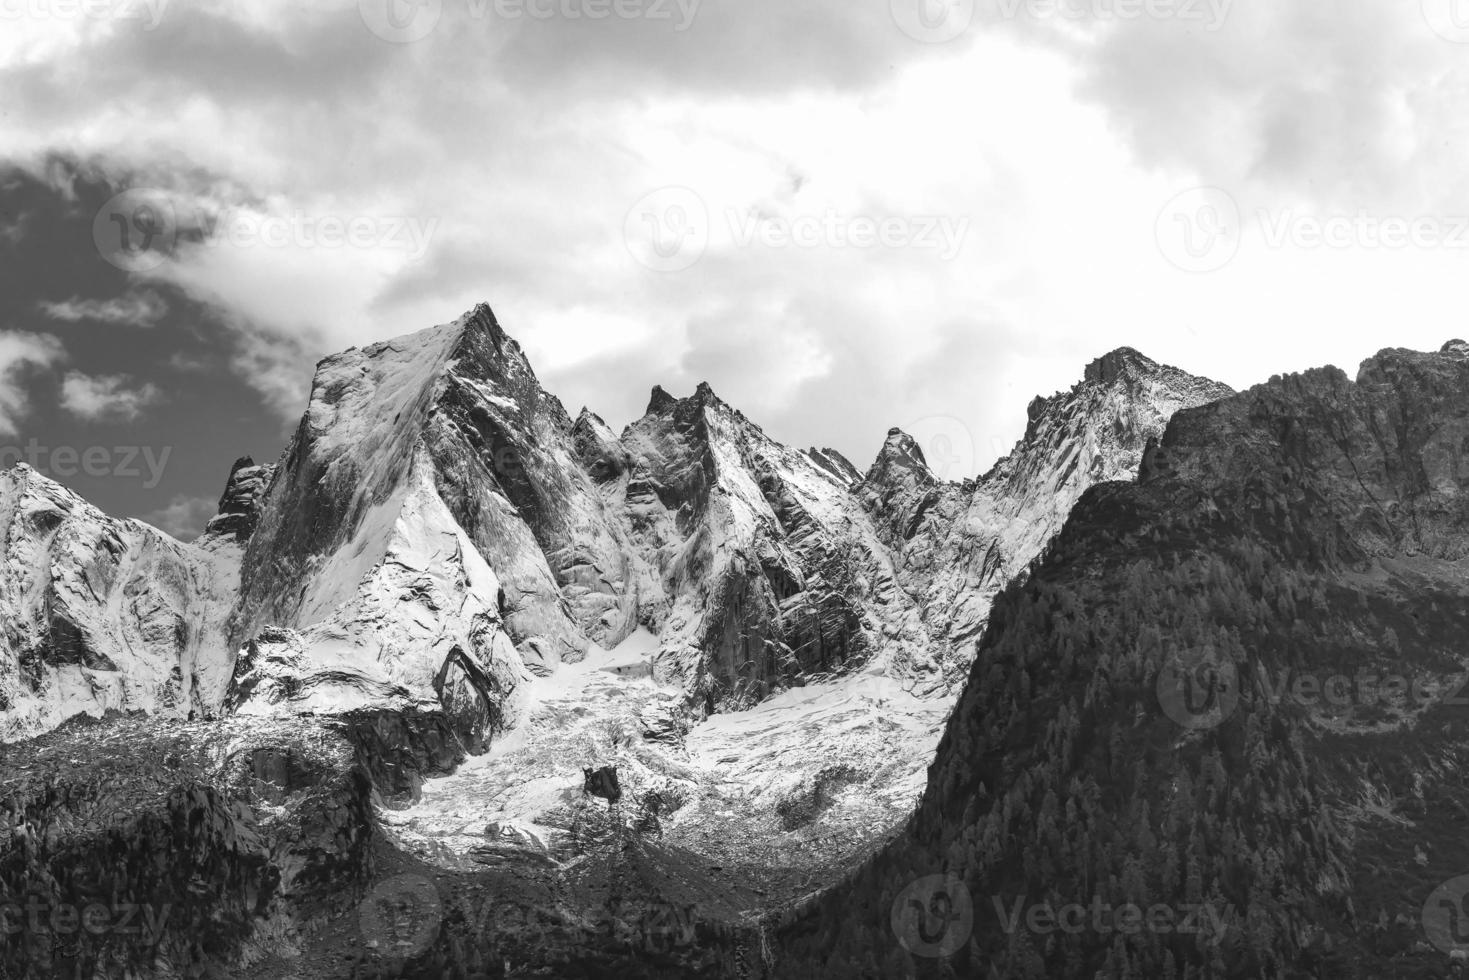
point(1228, 695)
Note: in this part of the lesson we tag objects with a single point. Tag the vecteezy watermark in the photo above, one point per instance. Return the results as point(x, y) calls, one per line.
point(400, 917)
point(64, 462)
point(39, 916)
point(1104, 918)
point(149, 13)
point(1199, 690)
point(137, 229)
point(299, 229)
point(679, 14)
point(934, 916)
point(1199, 230)
point(401, 21)
point(944, 234)
point(1208, 14)
point(668, 229)
point(1449, 19)
point(1363, 229)
point(406, 21)
point(1445, 916)
point(932, 21)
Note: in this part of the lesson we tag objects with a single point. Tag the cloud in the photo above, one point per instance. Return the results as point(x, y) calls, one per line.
point(520, 144)
point(21, 355)
point(107, 397)
point(134, 309)
point(184, 517)
point(1333, 103)
point(13, 228)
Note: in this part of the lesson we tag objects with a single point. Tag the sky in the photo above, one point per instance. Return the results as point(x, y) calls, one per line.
point(844, 216)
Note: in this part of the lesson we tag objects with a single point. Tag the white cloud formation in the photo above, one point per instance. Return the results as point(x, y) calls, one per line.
point(143, 308)
point(516, 146)
point(22, 354)
point(107, 397)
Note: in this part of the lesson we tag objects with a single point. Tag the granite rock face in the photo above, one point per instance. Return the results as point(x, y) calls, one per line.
point(100, 613)
point(760, 569)
point(957, 544)
point(239, 507)
point(439, 532)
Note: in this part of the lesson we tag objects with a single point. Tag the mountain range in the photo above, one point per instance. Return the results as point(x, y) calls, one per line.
point(385, 667)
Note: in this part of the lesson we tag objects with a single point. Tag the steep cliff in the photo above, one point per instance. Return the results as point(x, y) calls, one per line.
point(100, 613)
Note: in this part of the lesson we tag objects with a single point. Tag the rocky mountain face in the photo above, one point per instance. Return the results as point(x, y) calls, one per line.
point(436, 460)
point(957, 544)
point(239, 506)
point(763, 571)
point(1219, 730)
point(101, 614)
point(444, 564)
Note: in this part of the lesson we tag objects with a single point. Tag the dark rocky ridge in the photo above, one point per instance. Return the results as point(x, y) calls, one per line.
point(239, 506)
point(1309, 527)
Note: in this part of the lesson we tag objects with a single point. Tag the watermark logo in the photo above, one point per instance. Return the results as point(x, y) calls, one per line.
point(1199, 230)
point(1449, 19)
point(298, 229)
point(407, 21)
point(401, 21)
point(400, 917)
point(1197, 689)
point(136, 229)
point(149, 13)
point(1104, 918)
point(668, 230)
point(680, 13)
point(944, 234)
point(1208, 14)
point(139, 228)
point(95, 918)
point(1446, 916)
point(64, 462)
point(1364, 230)
point(947, 445)
point(934, 916)
point(932, 21)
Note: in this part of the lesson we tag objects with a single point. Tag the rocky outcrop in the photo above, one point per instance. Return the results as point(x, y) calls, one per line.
point(100, 614)
point(239, 507)
point(957, 544)
point(761, 569)
point(427, 539)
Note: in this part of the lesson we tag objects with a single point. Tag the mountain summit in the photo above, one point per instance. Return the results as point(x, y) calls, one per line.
point(762, 641)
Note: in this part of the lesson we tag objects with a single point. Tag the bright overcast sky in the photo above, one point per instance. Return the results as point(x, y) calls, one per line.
point(844, 216)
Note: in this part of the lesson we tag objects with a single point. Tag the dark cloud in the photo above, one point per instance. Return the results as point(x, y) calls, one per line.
point(212, 415)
